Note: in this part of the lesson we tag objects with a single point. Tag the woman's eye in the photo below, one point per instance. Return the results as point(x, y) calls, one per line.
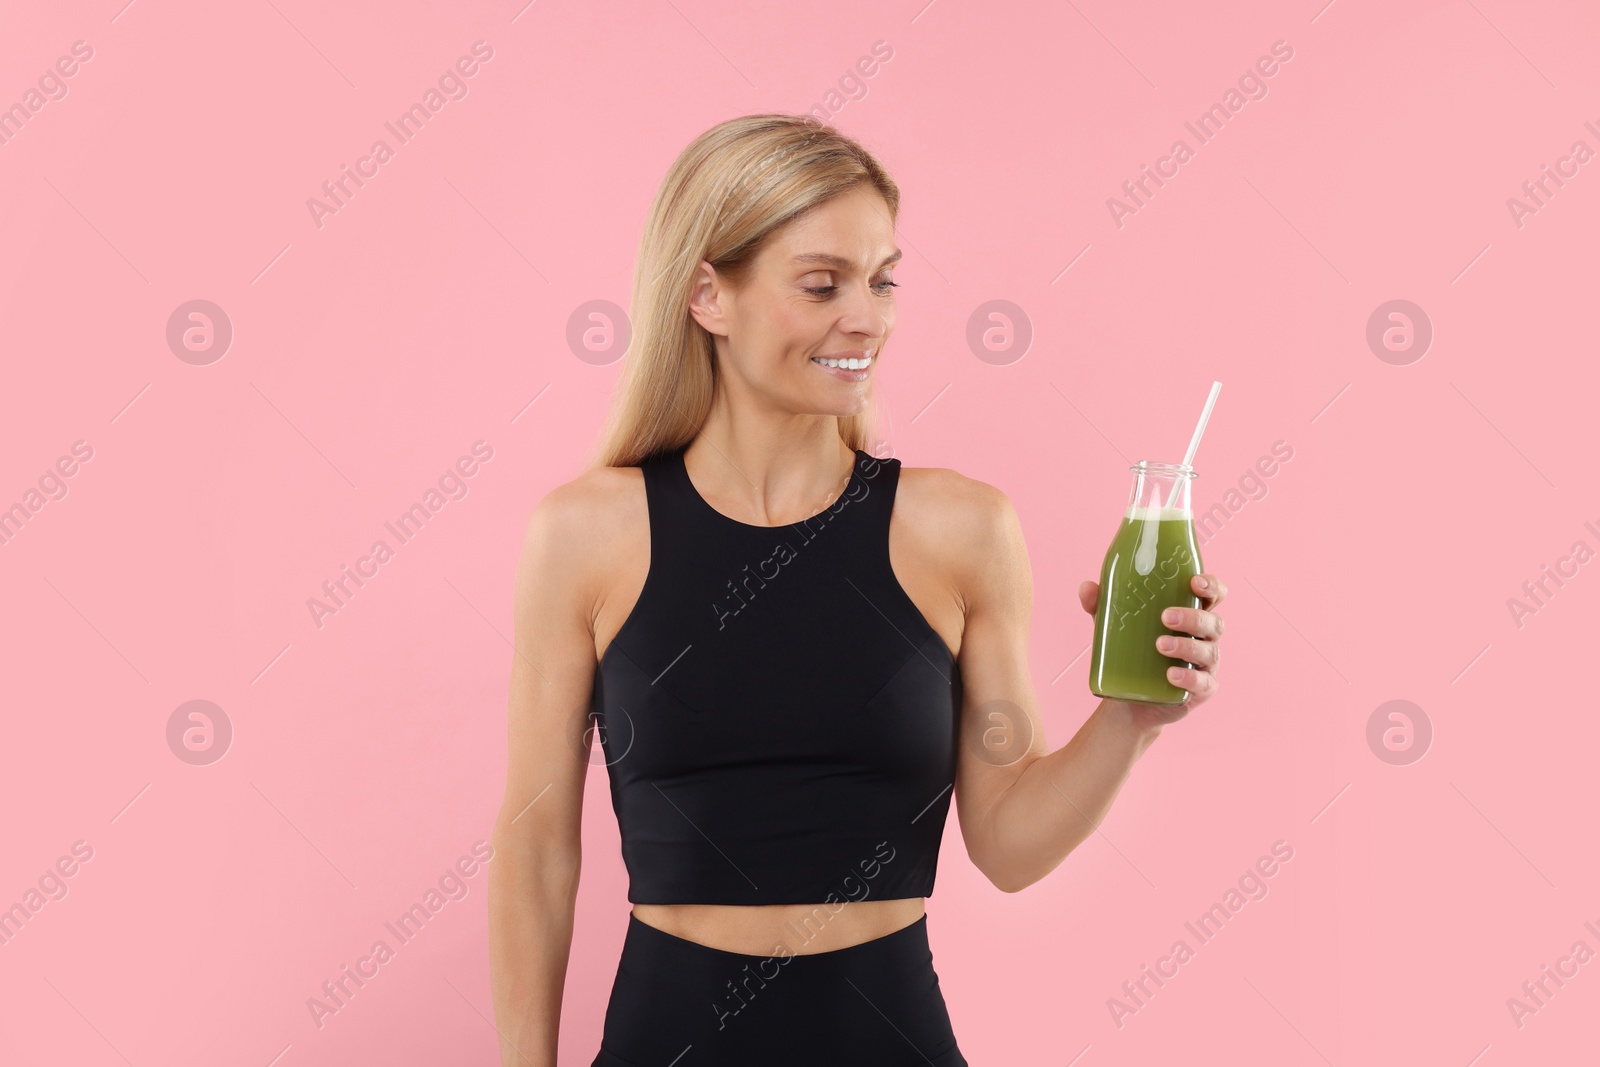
point(882, 287)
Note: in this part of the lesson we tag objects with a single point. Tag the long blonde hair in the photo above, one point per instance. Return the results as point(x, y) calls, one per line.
point(723, 196)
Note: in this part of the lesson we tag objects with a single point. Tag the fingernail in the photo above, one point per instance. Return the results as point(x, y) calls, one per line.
point(1166, 644)
point(1174, 675)
point(1170, 616)
point(1201, 582)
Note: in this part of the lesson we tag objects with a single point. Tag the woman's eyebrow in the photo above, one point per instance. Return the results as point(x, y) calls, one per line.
point(827, 259)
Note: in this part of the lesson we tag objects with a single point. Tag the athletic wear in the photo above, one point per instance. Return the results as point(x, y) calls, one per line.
point(682, 1003)
point(778, 718)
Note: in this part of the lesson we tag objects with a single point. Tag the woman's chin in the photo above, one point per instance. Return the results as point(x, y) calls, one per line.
point(842, 408)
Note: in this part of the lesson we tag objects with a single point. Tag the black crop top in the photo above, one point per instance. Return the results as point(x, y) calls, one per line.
point(778, 718)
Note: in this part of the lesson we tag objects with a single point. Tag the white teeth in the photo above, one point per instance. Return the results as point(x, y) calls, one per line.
point(845, 364)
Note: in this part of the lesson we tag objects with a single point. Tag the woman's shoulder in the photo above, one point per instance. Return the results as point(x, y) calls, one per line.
point(968, 527)
point(947, 500)
point(596, 495)
point(587, 521)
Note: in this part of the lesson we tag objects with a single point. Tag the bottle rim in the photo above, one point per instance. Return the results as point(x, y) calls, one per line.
point(1146, 466)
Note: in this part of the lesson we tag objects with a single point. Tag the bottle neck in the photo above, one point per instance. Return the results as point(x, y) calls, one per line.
point(1160, 491)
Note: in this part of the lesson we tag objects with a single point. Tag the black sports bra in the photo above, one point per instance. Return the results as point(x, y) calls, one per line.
point(778, 718)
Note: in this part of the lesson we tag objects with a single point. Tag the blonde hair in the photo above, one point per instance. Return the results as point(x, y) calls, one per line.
point(722, 198)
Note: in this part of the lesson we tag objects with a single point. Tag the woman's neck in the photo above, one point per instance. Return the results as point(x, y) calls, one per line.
point(772, 478)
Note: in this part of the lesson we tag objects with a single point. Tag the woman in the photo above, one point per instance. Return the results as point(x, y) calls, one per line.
point(789, 688)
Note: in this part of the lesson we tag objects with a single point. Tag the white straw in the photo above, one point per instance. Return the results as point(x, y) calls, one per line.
point(1194, 442)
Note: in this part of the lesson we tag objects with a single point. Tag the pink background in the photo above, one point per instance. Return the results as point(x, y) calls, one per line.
point(432, 312)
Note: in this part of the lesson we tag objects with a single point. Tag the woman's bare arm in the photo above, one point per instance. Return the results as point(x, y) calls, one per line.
point(533, 881)
point(1022, 807)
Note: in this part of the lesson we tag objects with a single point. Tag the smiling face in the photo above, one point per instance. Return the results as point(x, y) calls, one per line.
point(820, 289)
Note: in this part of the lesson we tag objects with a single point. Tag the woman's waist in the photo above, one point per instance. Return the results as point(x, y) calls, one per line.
point(782, 929)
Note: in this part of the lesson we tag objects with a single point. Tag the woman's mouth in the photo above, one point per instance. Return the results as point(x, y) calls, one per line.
point(849, 367)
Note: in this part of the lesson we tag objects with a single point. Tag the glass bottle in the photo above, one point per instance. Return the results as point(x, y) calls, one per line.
point(1146, 570)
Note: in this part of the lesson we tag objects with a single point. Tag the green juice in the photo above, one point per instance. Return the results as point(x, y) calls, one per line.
point(1147, 570)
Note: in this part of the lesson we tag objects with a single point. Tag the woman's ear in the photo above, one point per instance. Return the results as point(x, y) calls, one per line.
point(706, 298)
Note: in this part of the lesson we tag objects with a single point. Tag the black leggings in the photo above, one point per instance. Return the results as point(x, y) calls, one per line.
point(678, 1003)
